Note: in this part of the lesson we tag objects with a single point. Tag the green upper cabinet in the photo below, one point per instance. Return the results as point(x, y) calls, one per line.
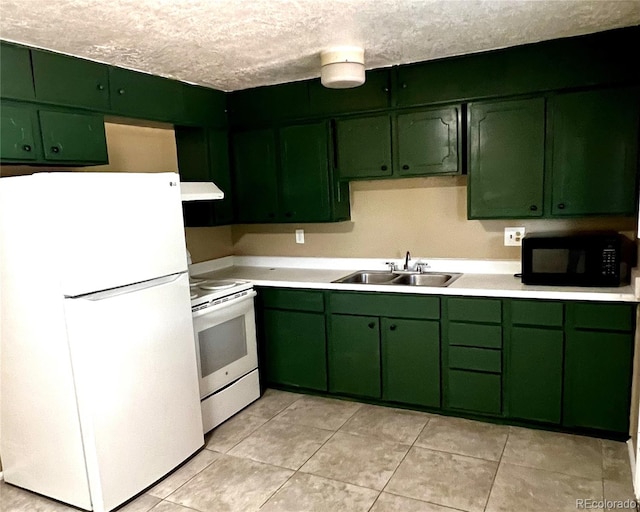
point(202, 107)
point(65, 80)
point(594, 157)
point(18, 128)
point(16, 79)
point(506, 159)
point(256, 175)
point(427, 142)
point(364, 147)
point(250, 107)
point(71, 137)
point(203, 155)
point(144, 96)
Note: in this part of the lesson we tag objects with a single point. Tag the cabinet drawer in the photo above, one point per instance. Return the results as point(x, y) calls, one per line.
point(386, 305)
point(475, 310)
point(473, 391)
point(530, 312)
point(474, 335)
point(298, 300)
point(612, 317)
point(470, 358)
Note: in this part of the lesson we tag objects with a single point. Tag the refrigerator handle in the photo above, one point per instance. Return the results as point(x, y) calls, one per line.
point(130, 288)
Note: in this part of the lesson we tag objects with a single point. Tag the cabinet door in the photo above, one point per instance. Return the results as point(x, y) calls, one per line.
point(364, 147)
point(295, 349)
point(256, 180)
point(305, 183)
point(534, 374)
point(506, 159)
point(595, 152)
point(69, 137)
point(597, 380)
point(203, 106)
point(220, 172)
point(411, 361)
point(67, 80)
point(145, 96)
point(427, 142)
point(16, 79)
point(354, 356)
point(17, 142)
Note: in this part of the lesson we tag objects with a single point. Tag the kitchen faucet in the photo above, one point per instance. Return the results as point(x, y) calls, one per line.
point(406, 260)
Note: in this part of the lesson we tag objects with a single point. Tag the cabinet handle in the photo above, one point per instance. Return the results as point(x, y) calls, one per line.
point(372, 325)
point(393, 327)
point(271, 215)
point(561, 206)
point(55, 149)
point(100, 87)
point(383, 168)
point(120, 92)
point(405, 167)
point(533, 207)
point(288, 214)
point(26, 148)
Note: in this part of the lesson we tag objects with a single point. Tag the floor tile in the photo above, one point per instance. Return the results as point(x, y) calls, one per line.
point(464, 437)
point(551, 451)
point(358, 460)
point(395, 425)
point(534, 490)
point(271, 403)
point(183, 474)
point(142, 503)
point(315, 411)
point(283, 444)
point(231, 432)
point(167, 506)
point(615, 461)
point(231, 484)
point(391, 503)
point(618, 491)
point(15, 499)
point(312, 493)
point(445, 479)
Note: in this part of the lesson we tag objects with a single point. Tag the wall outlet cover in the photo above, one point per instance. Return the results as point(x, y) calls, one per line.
point(513, 236)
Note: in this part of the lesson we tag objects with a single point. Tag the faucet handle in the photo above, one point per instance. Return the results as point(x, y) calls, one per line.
point(420, 266)
point(392, 266)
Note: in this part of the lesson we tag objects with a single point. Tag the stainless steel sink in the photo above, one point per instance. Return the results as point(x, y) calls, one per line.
point(436, 279)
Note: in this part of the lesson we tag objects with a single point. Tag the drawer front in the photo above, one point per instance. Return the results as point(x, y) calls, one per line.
point(386, 305)
point(475, 310)
point(298, 300)
point(470, 358)
point(475, 335)
point(598, 315)
point(471, 391)
point(530, 312)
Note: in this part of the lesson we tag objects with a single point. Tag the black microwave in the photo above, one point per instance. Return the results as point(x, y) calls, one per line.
point(587, 259)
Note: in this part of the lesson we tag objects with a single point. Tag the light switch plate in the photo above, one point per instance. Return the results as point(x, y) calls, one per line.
point(299, 236)
point(513, 236)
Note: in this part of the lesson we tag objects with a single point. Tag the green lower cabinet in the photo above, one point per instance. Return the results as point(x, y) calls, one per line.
point(354, 356)
point(534, 374)
point(474, 391)
point(295, 349)
point(18, 143)
point(597, 380)
point(411, 361)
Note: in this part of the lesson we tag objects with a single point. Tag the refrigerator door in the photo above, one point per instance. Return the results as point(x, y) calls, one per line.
point(134, 363)
point(115, 228)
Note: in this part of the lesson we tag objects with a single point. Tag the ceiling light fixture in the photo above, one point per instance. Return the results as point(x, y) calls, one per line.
point(342, 67)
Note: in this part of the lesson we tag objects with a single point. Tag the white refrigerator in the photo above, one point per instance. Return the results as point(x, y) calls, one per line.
point(98, 365)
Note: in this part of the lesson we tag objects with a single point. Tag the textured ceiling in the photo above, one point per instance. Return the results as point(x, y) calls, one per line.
point(237, 44)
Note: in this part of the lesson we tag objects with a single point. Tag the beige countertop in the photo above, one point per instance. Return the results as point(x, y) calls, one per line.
point(469, 284)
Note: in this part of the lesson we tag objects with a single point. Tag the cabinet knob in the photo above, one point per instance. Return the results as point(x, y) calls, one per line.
point(100, 87)
point(120, 92)
point(288, 214)
point(372, 325)
point(393, 327)
point(405, 167)
point(55, 149)
point(383, 167)
point(385, 89)
point(404, 85)
point(533, 208)
point(26, 148)
point(561, 206)
point(271, 215)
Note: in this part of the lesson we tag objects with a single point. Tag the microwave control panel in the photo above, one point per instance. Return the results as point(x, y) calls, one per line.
point(609, 262)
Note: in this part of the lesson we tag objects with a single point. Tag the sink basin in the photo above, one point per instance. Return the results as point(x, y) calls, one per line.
point(400, 278)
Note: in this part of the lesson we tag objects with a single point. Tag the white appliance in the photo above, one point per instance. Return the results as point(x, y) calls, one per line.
point(100, 390)
point(199, 191)
point(226, 348)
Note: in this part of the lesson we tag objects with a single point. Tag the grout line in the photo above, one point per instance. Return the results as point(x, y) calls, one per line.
point(493, 482)
point(445, 507)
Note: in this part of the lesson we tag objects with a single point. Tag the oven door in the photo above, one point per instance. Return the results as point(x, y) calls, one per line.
point(226, 345)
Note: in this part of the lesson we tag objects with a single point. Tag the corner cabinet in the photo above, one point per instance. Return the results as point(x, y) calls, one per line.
point(286, 175)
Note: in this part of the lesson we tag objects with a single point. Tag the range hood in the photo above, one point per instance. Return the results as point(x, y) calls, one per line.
point(199, 191)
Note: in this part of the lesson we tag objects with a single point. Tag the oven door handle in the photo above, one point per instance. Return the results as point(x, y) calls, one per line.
point(212, 309)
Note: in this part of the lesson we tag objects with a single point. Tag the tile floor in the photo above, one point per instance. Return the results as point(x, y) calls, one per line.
point(296, 453)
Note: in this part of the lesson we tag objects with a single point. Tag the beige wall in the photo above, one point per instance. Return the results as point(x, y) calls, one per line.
point(427, 216)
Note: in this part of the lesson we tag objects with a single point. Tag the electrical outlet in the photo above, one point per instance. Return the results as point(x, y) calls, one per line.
point(513, 236)
point(299, 236)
